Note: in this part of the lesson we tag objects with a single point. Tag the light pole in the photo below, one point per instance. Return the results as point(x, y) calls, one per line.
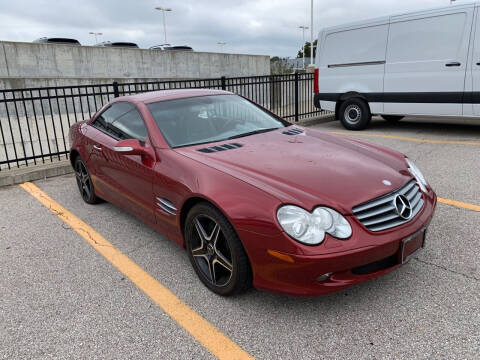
point(96, 34)
point(164, 21)
point(222, 45)
point(311, 32)
point(303, 27)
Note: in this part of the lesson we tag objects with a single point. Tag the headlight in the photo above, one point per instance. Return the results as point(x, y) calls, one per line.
point(417, 174)
point(310, 228)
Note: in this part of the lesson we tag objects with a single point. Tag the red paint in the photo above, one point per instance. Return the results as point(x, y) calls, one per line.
point(248, 184)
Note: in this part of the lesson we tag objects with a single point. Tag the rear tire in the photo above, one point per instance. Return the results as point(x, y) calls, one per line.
point(84, 182)
point(392, 118)
point(213, 247)
point(354, 114)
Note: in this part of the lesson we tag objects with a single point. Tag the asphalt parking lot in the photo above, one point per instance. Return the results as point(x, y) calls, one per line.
point(60, 298)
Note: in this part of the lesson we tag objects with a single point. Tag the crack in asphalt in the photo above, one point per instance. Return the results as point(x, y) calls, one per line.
point(92, 239)
point(447, 269)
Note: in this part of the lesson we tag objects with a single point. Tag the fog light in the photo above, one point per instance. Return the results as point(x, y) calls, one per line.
point(324, 277)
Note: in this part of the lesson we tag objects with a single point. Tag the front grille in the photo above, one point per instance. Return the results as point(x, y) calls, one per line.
point(381, 214)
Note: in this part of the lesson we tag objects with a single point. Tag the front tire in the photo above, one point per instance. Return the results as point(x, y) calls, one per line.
point(392, 118)
point(354, 114)
point(215, 251)
point(84, 182)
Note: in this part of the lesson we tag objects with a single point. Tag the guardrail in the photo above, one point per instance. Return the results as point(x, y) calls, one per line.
point(34, 122)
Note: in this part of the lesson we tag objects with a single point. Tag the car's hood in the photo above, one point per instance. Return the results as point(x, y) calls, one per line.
point(309, 169)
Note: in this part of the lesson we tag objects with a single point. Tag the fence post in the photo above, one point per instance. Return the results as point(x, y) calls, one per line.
point(296, 97)
point(115, 89)
point(224, 82)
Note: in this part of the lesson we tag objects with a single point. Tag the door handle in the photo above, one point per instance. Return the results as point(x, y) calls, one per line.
point(99, 148)
point(454, 63)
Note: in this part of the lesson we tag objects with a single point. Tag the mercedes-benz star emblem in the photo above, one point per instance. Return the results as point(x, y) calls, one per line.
point(403, 207)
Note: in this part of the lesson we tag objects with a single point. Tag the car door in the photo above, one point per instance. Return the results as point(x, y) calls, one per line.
point(126, 180)
point(426, 62)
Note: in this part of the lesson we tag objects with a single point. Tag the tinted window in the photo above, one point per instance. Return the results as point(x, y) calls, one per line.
point(122, 121)
point(211, 118)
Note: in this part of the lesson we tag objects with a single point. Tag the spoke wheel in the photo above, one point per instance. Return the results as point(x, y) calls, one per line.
point(215, 251)
point(211, 251)
point(84, 182)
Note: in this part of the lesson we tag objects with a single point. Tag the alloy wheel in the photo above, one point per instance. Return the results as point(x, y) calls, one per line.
point(83, 180)
point(211, 251)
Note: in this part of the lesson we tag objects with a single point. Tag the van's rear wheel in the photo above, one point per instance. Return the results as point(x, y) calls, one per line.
point(392, 118)
point(355, 114)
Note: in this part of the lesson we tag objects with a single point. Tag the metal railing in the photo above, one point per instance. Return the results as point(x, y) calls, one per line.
point(34, 122)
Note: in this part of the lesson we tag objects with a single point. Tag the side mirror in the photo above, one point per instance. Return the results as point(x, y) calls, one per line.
point(130, 147)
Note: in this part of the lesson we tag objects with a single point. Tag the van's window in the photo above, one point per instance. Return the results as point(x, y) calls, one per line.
point(434, 38)
point(365, 44)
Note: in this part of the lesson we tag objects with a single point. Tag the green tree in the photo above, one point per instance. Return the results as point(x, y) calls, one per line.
point(280, 66)
point(307, 50)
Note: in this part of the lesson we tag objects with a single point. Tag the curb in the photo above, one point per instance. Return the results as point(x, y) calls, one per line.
point(318, 120)
point(35, 172)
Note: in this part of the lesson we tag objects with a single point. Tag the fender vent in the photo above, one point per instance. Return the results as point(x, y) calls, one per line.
point(293, 131)
point(220, 148)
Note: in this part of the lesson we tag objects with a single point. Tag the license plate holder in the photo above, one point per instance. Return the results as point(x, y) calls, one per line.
point(411, 245)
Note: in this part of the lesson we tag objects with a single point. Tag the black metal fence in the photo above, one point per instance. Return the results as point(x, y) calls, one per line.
point(34, 122)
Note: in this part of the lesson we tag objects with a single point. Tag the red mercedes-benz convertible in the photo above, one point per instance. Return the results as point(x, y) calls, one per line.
point(253, 198)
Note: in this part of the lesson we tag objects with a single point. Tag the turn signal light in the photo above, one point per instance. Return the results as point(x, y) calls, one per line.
point(280, 256)
point(315, 81)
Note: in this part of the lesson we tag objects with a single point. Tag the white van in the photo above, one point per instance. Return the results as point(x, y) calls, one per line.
point(423, 63)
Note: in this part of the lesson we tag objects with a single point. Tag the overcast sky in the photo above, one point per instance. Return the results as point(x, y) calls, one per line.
point(267, 27)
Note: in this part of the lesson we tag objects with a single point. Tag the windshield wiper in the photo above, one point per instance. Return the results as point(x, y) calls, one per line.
point(259, 131)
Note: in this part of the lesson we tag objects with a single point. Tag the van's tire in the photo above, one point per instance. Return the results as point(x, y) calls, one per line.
point(392, 118)
point(354, 114)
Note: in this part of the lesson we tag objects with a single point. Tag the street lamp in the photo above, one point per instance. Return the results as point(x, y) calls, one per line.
point(303, 27)
point(164, 21)
point(222, 45)
point(95, 34)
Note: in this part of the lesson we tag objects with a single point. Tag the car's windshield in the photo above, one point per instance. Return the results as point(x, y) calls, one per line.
point(204, 119)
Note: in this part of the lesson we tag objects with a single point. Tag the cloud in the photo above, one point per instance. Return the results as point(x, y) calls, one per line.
point(268, 27)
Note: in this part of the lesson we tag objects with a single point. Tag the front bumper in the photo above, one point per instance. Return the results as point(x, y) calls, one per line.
point(365, 256)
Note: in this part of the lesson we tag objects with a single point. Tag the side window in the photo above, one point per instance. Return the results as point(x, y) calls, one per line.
point(122, 121)
point(427, 39)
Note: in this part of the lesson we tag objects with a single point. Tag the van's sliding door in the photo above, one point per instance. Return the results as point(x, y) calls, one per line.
point(475, 67)
point(426, 62)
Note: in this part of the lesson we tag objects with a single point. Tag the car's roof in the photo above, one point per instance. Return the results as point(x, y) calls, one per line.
point(162, 95)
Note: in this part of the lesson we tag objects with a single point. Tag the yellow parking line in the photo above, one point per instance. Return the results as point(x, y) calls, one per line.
point(405, 138)
point(459, 204)
point(205, 333)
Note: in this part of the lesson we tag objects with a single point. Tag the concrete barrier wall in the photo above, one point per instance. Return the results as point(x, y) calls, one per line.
point(37, 65)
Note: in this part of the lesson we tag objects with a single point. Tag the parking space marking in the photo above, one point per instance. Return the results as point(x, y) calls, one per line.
point(205, 333)
point(406, 138)
point(459, 204)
